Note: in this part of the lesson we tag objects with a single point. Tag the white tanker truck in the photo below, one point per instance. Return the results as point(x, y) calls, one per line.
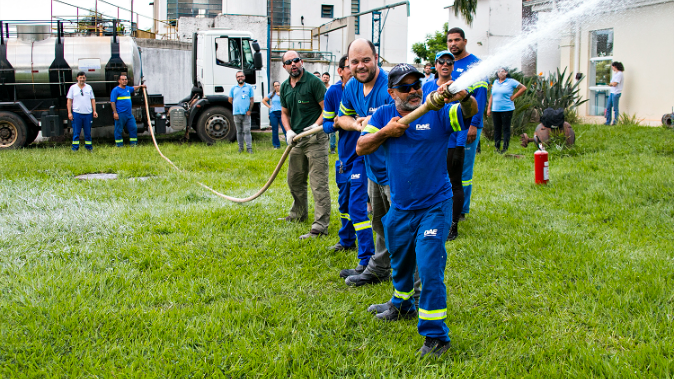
point(37, 68)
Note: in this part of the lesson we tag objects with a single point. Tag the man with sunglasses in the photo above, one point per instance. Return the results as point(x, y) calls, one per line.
point(361, 98)
point(444, 65)
point(81, 107)
point(120, 102)
point(420, 217)
point(302, 110)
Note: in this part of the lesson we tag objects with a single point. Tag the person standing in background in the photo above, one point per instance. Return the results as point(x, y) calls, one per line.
point(120, 102)
point(616, 85)
point(241, 98)
point(274, 113)
point(81, 107)
point(501, 106)
point(333, 137)
point(428, 74)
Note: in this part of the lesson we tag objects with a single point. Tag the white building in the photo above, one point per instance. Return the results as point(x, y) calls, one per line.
point(641, 37)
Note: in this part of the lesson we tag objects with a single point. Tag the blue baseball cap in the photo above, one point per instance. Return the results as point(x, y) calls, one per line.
point(400, 71)
point(444, 52)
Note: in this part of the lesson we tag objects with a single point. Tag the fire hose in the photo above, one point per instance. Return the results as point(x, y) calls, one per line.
point(434, 102)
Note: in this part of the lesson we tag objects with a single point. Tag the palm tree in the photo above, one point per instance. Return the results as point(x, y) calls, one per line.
point(466, 8)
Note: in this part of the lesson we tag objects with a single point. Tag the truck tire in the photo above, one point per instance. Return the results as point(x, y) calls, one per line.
point(32, 134)
point(13, 131)
point(216, 124)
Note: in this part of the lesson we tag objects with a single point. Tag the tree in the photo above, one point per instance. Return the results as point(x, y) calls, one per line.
point(425, 51)
point(467, 8)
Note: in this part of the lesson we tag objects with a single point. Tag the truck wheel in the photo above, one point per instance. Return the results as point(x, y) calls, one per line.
point(216, 124)
point(32, 134)
point(13, 131)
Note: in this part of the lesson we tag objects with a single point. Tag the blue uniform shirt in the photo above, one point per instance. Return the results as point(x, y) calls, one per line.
point(478, 89)
point(274, 101)
point(417, 160)
point(355, 103)
point(122, 99)
point(501, 92)
point(346, 147)
point(456, 139)
point(241, 96)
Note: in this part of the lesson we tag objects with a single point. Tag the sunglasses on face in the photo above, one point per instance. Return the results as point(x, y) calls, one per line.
point(406, 88)
point(289, 61)
point(448, 62)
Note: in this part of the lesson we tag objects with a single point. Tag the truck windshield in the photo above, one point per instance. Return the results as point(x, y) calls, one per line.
point(228, 52)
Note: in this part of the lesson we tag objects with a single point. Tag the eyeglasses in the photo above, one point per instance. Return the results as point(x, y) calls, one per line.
point(448, 62)
point(81, 93)
point(405, 88)
point(294, 60)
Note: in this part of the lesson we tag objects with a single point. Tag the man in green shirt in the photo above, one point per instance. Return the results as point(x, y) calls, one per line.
point(302, 110)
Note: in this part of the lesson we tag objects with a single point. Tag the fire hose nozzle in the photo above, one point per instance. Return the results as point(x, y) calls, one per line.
point(436, 100)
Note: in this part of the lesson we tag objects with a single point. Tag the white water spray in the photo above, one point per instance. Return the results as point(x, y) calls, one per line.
point(566, 13)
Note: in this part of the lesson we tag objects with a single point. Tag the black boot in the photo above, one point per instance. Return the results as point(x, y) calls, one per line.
point(454, 232)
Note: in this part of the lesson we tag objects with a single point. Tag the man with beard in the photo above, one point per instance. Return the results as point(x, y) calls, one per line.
point(302, 110)
point(456, 44)
point(418, 222)
point(350, 175)
point(444, 65)
point(241, 97)
point(361, 98)
point(428, 75)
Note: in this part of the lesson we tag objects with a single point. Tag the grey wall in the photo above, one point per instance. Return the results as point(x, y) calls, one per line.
point(167, 68)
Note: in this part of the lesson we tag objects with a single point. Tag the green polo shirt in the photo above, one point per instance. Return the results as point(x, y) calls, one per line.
point(303, 101)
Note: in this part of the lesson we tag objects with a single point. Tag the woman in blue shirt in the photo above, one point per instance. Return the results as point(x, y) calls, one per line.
point(274, 113)
point(501, 106)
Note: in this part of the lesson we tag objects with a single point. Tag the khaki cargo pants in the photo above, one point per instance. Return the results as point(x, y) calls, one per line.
point(309, 158)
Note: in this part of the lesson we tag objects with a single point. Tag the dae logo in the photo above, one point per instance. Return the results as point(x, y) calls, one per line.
point(431, 233)
point(372, 110)
point(423, 126)
point(355, 176)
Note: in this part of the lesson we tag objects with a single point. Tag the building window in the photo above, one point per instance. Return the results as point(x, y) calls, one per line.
point(601, 57)
point(280, 12)
point(355, 8)
point(327, 11)
point(189, 8)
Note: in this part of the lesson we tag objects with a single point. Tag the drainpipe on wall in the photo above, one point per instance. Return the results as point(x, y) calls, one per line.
point(576, 50)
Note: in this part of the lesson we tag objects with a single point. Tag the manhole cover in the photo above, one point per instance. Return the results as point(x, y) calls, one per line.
point(97, 176)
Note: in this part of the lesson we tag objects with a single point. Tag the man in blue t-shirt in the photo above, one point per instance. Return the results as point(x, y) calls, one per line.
point(241, 97)
point(120, 102)
point(420, 217)
point(349, 174)
point(444, 65)
point(456, 44)
point(361, 98)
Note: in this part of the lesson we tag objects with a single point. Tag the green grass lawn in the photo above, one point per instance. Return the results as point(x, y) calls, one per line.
point(160, 278)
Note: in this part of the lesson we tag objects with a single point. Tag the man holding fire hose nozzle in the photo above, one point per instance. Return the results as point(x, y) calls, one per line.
point(420, 217)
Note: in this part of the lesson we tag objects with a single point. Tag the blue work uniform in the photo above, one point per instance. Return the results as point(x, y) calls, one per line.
point(241, 96)
point(356, 104)
point(479, 92)
point(122, 99)
point(455, 139)
point(420, 217)
point(351, 180)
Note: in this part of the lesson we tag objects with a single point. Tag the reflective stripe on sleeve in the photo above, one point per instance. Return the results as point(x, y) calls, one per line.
point(346, 111)
point(467, 183)
point(403, 295)
point(345, 215)
point(481, 84)
point(454, 117)
point(362, 225)
point(370, 129)
point(328, 115)
point(438, 314)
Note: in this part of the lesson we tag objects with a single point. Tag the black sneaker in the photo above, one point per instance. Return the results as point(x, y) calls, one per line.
point(350, 271)
point(379, 308)
point(462, 217)
point(454, 232)
point(434, 346)
point(395, 314)
point(366, 277)
point(339, 247)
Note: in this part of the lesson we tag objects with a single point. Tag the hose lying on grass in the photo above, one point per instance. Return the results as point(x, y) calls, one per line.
point(230, 198)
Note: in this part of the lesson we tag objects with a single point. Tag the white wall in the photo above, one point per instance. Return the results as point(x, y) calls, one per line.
point(167, 68)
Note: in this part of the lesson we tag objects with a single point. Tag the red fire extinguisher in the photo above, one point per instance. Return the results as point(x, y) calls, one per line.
point(541, 167)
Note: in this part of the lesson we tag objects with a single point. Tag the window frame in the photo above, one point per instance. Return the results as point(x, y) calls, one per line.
point(598, 94)
point(325, 14)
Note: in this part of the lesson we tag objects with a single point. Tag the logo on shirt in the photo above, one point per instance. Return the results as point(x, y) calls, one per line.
point(372, 110)
point(423, 126)
point(431, 233)
point(355, 176)
point(302, 101)
point(459, 69)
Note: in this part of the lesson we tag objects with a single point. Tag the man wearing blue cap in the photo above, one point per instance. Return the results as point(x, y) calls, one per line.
point(418, 222)
point(444, 65)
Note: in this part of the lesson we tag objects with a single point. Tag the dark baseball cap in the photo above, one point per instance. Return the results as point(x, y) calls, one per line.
point(400, 71)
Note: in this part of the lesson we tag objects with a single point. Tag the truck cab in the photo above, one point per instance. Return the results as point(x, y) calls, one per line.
point(217, 55)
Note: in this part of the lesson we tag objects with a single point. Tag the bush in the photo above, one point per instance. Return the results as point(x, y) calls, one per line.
point(627, 119)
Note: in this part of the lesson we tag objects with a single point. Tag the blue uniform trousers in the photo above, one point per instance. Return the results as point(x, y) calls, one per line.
point(467, 177)
point(82, 122)
point(422, 234)
point(126, 119)
point(352, 186)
